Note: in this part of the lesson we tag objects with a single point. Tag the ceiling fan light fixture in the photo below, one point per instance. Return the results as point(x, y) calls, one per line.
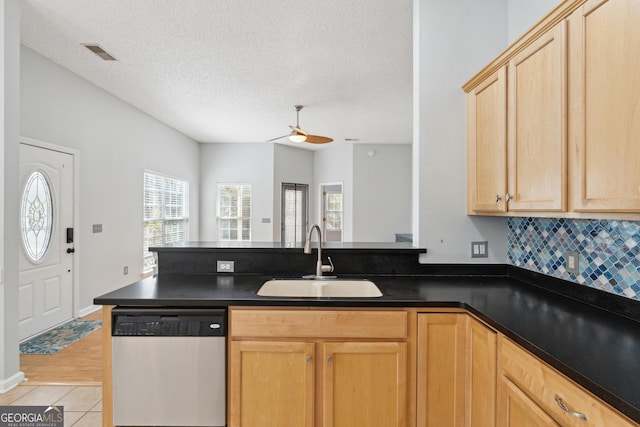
point(298, 137)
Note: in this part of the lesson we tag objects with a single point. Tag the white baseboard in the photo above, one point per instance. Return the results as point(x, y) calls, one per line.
point(11, 382)
point(88, 310)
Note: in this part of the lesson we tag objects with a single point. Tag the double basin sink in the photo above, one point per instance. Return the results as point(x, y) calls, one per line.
point(319, 288)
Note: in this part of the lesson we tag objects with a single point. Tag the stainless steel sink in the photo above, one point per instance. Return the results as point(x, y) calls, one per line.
point(316, 288)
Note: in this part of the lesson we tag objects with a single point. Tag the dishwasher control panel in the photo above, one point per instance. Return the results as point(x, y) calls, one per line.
point(168, 322)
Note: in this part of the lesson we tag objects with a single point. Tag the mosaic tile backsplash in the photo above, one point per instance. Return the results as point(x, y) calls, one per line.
point(609, 251)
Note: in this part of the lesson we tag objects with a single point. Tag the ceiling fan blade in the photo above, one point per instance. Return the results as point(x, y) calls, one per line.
point(316, 139)
point(280, 137)
point(298, 130)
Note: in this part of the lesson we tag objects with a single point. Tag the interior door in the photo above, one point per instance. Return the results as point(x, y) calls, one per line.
point(46, 252)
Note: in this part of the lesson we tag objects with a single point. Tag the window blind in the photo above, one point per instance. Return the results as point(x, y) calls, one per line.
point(165, 218)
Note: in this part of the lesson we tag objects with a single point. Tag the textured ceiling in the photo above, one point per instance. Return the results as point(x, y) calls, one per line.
point(231, 70)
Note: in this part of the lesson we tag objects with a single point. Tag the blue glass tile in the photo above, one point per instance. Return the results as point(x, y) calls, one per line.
point(609, 250)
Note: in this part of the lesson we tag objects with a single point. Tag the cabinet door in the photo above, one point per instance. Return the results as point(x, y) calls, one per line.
point(364, 384)
point(516, 409)
point(487, 163)
point(604, 96)
point(441, 370)
point(481, 375)
point(537, 134)
point(271, 384)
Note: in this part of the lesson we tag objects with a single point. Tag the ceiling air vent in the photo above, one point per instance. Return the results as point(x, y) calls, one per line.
point(100, 52)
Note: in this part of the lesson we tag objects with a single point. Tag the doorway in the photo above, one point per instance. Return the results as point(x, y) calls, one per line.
point(47, 258)
point(294, 213)
point(332, 212)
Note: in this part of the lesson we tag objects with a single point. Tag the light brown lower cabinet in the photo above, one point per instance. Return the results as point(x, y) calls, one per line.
point(385, 368)
point(273, 383)
point(531, 393)
point(481, 375)
point(339, 375)
point(456, 371)
point(518, 410)
point(364, 384)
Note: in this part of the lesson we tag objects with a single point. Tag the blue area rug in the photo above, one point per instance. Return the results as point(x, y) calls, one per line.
point(59, 337)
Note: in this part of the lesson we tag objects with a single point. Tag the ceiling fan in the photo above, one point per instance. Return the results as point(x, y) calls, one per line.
point(298, 135)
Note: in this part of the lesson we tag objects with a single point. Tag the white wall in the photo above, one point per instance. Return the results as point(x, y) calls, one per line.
point(523, 14)
point(453, 40)
point(237, 163)
point(10, 374)
point(334, 165)
point(291, 165)
point(117, 143)
point(381, 191)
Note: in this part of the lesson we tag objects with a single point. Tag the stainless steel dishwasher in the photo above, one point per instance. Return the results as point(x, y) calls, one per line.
point(169, 367)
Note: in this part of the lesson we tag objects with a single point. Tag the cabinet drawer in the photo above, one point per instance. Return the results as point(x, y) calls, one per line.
point(319, 323)
point(543, 384)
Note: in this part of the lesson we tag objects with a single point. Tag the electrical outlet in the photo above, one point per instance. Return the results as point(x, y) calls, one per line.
point(480, 249)
point(225, 266)
point(572, 262)
point(126, 270)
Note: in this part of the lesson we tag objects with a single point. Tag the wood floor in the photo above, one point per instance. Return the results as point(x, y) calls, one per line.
point(79, 363)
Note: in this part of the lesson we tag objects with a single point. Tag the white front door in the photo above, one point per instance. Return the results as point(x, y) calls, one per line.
point(46, 249)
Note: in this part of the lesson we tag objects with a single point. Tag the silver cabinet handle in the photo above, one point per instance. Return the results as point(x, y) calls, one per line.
point(498, 198)
point(329, 360)
point(567, 410)
point(309, 360)
point(508, 197)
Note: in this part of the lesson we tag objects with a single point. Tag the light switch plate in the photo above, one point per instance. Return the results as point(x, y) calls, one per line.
point(480, 249)
point(572, 262)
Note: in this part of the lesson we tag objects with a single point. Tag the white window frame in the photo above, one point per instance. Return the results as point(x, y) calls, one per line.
point(330, 234)
point(223, 215)
point(162, 214)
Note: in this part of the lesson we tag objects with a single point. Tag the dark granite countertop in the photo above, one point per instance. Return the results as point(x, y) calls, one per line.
point(596, 348)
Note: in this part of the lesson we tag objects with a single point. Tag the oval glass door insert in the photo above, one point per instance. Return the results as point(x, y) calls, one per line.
point(36, 216)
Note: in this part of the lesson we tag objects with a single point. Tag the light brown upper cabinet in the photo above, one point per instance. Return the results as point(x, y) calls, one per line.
point(568, 142)
point(487, 174)
point(517, 132)
point(605, 106)
point(537, 134)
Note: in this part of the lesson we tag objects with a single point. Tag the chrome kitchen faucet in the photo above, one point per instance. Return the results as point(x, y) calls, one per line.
point(320, 268)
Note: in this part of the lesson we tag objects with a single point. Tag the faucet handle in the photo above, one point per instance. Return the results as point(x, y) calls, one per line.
point(328, 268)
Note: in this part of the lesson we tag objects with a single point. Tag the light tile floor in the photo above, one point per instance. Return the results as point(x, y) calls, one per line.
point(82, 404)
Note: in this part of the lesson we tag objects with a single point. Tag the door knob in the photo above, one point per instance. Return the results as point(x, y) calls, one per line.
point(71, 250)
